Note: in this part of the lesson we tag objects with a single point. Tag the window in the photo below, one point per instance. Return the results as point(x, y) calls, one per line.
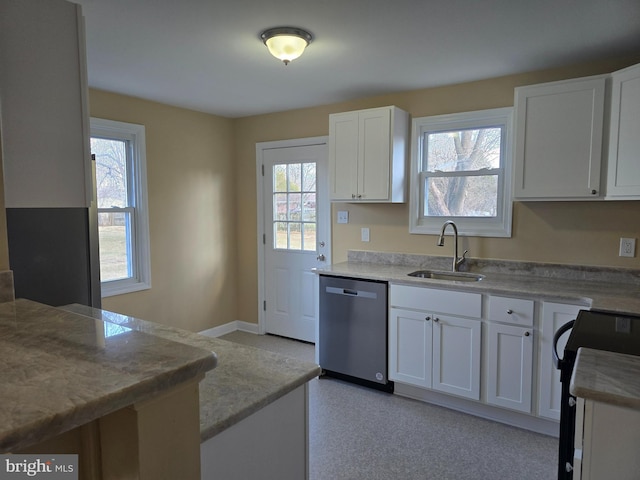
point(460, 171)
point(294, 206)
point(121, 189)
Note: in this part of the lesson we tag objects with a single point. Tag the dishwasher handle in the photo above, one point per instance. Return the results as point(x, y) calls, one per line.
point(351, 293)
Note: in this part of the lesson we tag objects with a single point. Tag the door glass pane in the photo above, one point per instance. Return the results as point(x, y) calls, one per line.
point(294, 206)
point(295, 211)
point(280, 206)
point(309, 237)
point(111, 172)
point(308, 177)
point(309, 207)
point(295, 236)
point(280, 235)
point(114, 232)
point(279, 178)
point(294, 177)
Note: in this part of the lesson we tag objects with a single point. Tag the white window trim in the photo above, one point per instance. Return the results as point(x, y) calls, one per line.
point(480, 227)
point(136, 134)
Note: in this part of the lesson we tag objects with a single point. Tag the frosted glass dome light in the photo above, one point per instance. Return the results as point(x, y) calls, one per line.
point(286, 43)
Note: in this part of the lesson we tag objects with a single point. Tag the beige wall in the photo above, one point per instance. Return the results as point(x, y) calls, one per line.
point(190, 175)
point(585, 233)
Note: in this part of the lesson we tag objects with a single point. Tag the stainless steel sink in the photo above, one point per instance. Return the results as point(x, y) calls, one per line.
point(449, 276)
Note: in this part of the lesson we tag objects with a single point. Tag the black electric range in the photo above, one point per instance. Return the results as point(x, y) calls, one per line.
point(599, 330)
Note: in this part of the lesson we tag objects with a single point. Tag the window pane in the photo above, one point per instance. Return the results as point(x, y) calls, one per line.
point(295, 204)
point(295, 236)
point(280, 206)
point(309, 238)
point(114, 232)
point(294, 177)
point(461, 196)
point(309, 177)
point(309, 207)
point(463, 150)
point(279, 178)
point(111, 172)
point(280, 235)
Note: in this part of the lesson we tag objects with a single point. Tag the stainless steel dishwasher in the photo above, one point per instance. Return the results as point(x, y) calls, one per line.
point(353, 330)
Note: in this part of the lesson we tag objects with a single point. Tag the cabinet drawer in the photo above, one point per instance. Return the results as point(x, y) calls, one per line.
point(511, 310)
point(433, 300)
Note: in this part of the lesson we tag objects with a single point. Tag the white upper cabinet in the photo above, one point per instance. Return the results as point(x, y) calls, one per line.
point(559, 133)
point(43, 104)
point(623, 172)
point(368, 155)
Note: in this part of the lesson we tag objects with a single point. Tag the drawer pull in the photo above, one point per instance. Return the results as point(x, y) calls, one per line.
point(509, 312)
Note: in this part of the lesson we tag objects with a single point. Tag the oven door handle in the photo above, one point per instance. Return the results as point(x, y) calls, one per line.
point(556, 338)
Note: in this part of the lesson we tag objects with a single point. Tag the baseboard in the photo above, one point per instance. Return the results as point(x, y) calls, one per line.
point(497, 414)
point(231, 327)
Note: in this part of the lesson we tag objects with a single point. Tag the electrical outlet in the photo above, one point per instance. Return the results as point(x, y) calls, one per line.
point(627, 247)
point(343, 216)
point(364, 234)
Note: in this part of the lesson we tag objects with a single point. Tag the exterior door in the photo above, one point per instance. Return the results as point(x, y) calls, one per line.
point(295, 238)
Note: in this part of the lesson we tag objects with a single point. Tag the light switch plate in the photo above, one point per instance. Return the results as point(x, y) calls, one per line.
point(627, 247)
point(364, 233)
point(343, 216)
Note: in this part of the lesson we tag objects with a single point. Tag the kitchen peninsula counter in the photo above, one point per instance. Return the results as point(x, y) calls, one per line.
point(608, 289)
point(118, 397)
point(246, 379)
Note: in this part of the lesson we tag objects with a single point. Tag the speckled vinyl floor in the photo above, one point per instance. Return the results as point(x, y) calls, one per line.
point(358, 433)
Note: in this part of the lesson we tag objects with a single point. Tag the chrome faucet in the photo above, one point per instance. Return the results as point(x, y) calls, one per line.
point(457, 261)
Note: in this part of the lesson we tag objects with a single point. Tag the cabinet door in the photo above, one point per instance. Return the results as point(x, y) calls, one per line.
point(554, 315)
point(510, 366)
point(44, 115)
point(410, 338)
point(374, 154)
point(559, 131)
point(343, 155)
point(456, 356)
point(623, 179)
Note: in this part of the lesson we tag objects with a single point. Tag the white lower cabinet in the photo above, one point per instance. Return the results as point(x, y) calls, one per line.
point(510, 366)
point(435, 351)
point(553, 316)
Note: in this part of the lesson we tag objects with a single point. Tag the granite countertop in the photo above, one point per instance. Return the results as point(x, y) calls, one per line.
point(245, 380)
point(607, 377)
point(61, 370)
point(500, 278)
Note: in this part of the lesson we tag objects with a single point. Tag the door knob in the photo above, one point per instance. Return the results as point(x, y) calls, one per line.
point(320, 258)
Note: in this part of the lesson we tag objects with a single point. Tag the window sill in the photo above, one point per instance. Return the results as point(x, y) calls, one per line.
point(121, 288)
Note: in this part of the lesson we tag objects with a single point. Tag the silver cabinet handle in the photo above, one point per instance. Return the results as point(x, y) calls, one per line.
point(359, 196)
point(509, 312)
point(572, 402)
point(321, 244)
point(320, 258)
point(436, 319)
point(353, 195)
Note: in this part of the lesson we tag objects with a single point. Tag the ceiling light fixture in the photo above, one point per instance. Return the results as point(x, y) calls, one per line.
point(286, 43)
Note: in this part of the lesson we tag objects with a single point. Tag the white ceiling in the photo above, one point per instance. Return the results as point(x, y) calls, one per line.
point(206, 54)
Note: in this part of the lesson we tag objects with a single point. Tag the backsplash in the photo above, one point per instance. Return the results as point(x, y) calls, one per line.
point(510, 267)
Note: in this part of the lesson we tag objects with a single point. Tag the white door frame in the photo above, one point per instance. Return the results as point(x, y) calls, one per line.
point(260, 147)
